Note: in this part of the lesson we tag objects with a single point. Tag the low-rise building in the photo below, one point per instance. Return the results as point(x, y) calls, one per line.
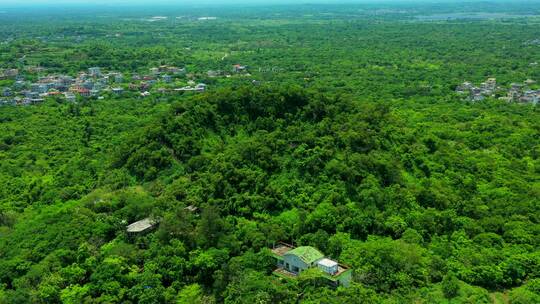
point(201, 87)
point(39, 88)
point(8, 102)
point(477, 97)
point(84, 92)
point(11, 73)
point(20, 84)
point(94, 72)
point(177, 71)
point(213, 73)
point(191, 208)
point(144, 86)
point(70, 97)
point(54, 93)
point(118, 78)
point(6, 92)
point(141, 227)
point(465, 87)
point(36, 100)
point(291, 261)
point(238, 68)
point(89, 84)
point(31, 94)
point(166, 78)
point(34, 69)
point(529, 82)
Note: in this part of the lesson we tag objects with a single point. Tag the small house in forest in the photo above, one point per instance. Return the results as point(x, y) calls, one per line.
point(191, 208)
point(291, 261)
point(141, 227)
point(238, 68)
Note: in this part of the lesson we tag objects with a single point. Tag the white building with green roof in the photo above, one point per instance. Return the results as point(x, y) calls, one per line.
point(292, 261)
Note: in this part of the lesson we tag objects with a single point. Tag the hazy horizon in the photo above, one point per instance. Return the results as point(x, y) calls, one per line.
point(227, 2)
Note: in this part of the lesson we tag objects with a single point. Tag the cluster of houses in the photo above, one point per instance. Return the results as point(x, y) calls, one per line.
point(518, 92)
point(532, 42)
point(94, 82)
point(478, 93)
point(85, 84)
point(237, 69)
point(91, 83)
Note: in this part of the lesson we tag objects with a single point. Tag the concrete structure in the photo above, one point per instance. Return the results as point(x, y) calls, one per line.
point(19, 84)
point(328, 266)
point(529, 82)
point(84, 92)
point(118, 78)
point(213, 73)
point(238, 68)
point(191, 208)
point(166, 78)
point(464, 87)
point(178, 71)
point(9, 73)
point(300, 259)
point(6, 92)
point(31, 94)
point(70, 97)
point(291, 261)
point(94, 72)
point(140, 227)
point(201, 87)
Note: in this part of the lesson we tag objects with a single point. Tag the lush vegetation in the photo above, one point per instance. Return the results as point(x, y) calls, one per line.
point(351, 141)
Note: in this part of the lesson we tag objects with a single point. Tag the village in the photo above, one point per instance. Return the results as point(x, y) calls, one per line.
point(97, 83)
point(518, 92)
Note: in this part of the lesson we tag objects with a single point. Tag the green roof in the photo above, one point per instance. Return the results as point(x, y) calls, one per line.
point(277, 256)
point(307, 254)
point(335, 278)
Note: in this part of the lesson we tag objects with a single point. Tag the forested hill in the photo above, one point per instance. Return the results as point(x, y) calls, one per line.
point(426, 201)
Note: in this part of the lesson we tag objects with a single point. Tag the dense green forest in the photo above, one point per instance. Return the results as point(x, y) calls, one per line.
point(346, 135)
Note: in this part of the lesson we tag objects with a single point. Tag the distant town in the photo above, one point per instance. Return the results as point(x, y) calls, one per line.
point(97, 83)
point(518, 92)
